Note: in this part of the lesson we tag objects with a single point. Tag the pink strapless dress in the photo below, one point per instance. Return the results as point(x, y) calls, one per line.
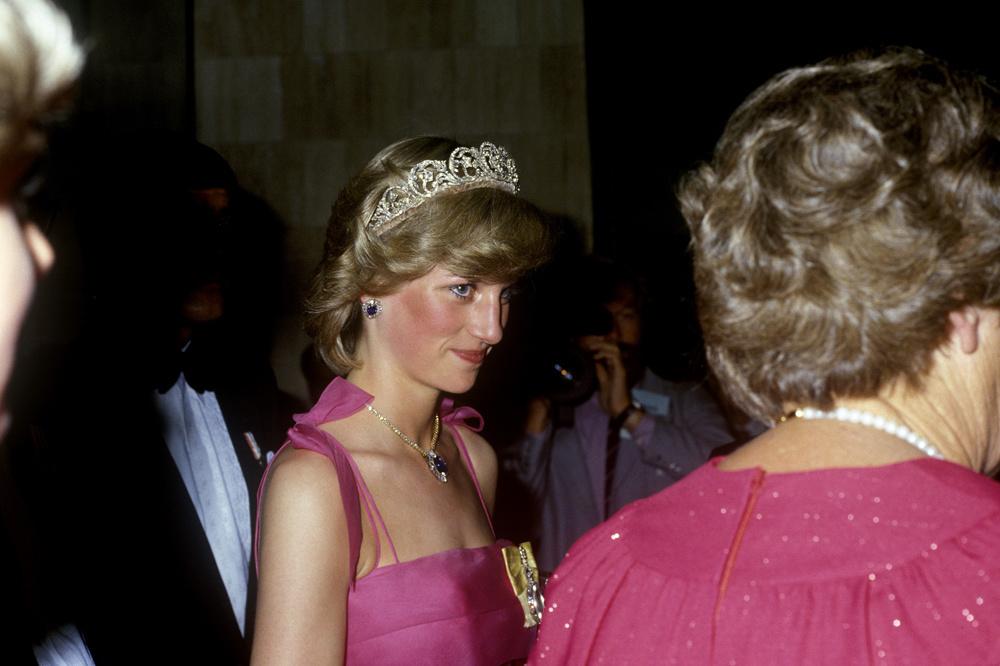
point(452, 607)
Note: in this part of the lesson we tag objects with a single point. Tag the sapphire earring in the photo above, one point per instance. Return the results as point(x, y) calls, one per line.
point(371, 307)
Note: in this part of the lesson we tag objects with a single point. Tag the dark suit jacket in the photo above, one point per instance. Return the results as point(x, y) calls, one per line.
point(139, 576)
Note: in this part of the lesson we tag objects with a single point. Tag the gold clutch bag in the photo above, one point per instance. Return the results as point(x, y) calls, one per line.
point(523, 574)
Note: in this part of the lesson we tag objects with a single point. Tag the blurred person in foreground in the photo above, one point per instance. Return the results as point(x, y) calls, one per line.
point(846, 237)
point(39, 64)
point(633, 435)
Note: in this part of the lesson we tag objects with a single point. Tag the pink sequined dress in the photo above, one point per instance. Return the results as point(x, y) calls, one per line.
point(887, 565)
point(452, 607)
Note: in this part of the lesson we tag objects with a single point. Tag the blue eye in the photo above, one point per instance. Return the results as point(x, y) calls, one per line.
point(507, 294)
point(462, 290)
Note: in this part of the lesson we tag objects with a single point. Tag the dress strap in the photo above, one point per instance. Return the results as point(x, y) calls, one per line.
point(472, 420)
point(371, 509)
point(339, 400)
point(354, 493)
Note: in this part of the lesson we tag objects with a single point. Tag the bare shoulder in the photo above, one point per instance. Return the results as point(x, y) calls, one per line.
point(483, 456)
point(484, 461)
point(296, 472)
point(304, 491)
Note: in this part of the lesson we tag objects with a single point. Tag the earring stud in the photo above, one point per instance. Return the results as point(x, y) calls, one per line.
point(371, 307)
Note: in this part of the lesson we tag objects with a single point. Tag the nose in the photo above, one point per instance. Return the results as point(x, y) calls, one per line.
point(489, 317)
point(38, 245)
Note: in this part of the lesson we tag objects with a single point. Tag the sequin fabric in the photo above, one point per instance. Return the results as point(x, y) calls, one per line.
point(887, 565)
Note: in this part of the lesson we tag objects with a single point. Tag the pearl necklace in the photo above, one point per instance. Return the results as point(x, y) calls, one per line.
point(437, 465)
point(872, 421)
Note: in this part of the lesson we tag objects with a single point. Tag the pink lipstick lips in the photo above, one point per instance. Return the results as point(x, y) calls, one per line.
point(475, 356)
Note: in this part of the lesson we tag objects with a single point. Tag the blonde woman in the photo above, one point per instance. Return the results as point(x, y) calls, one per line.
point(375, 539)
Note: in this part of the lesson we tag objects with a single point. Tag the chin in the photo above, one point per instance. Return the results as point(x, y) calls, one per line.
point(458, 385)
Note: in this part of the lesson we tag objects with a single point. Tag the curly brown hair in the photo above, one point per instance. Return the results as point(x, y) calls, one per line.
point(483, 234)
point(848, 208)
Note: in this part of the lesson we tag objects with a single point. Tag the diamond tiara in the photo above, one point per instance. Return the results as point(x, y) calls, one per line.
point(466, 168)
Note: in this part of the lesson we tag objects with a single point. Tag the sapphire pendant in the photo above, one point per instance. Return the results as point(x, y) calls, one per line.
point(437, 465)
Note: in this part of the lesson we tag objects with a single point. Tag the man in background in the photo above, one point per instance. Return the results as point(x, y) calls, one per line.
point(634, 434)
point(157, 436)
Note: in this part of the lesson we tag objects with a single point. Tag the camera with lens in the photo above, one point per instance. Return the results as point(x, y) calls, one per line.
point(564, 372)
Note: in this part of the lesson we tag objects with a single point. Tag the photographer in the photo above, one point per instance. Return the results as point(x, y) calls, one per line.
point(634, 434)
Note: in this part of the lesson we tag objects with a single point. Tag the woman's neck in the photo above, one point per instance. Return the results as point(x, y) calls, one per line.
point(935, 413)
point(410, 406)
point(807, 444)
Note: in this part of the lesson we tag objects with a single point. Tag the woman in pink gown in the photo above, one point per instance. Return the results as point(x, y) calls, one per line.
point(375, 544)
point(846, 238)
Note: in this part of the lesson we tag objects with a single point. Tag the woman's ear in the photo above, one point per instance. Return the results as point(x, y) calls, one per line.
point(965, 328)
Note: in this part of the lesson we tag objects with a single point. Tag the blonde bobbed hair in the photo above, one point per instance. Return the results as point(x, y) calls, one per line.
point(485, 234)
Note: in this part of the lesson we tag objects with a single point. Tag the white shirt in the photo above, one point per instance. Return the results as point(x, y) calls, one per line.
point(199, 442)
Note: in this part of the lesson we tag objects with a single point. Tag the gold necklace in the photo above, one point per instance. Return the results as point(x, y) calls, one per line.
point(435, 463)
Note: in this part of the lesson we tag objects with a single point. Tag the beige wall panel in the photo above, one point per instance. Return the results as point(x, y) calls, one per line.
point(324, 26)
point(463, 25)
point(474, 90)
point(517, 91)
point(433, 100)
point(351, 82)
point(302, 248)
point(367, 27)
point(417, 25)
point(546, 162)
point(391, 92)
point(496, 23)
point(326, 171)
point(549, 22)
point(327, 97)
point(308, 97)
point(239, 100)
point(411, 93)
point(229, 28)
point(270, 170)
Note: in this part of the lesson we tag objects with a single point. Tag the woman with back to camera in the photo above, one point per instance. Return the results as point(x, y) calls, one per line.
point(846, 238)
point(387, 555)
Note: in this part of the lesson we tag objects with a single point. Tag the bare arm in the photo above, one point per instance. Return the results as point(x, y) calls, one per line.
point(304, 565)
